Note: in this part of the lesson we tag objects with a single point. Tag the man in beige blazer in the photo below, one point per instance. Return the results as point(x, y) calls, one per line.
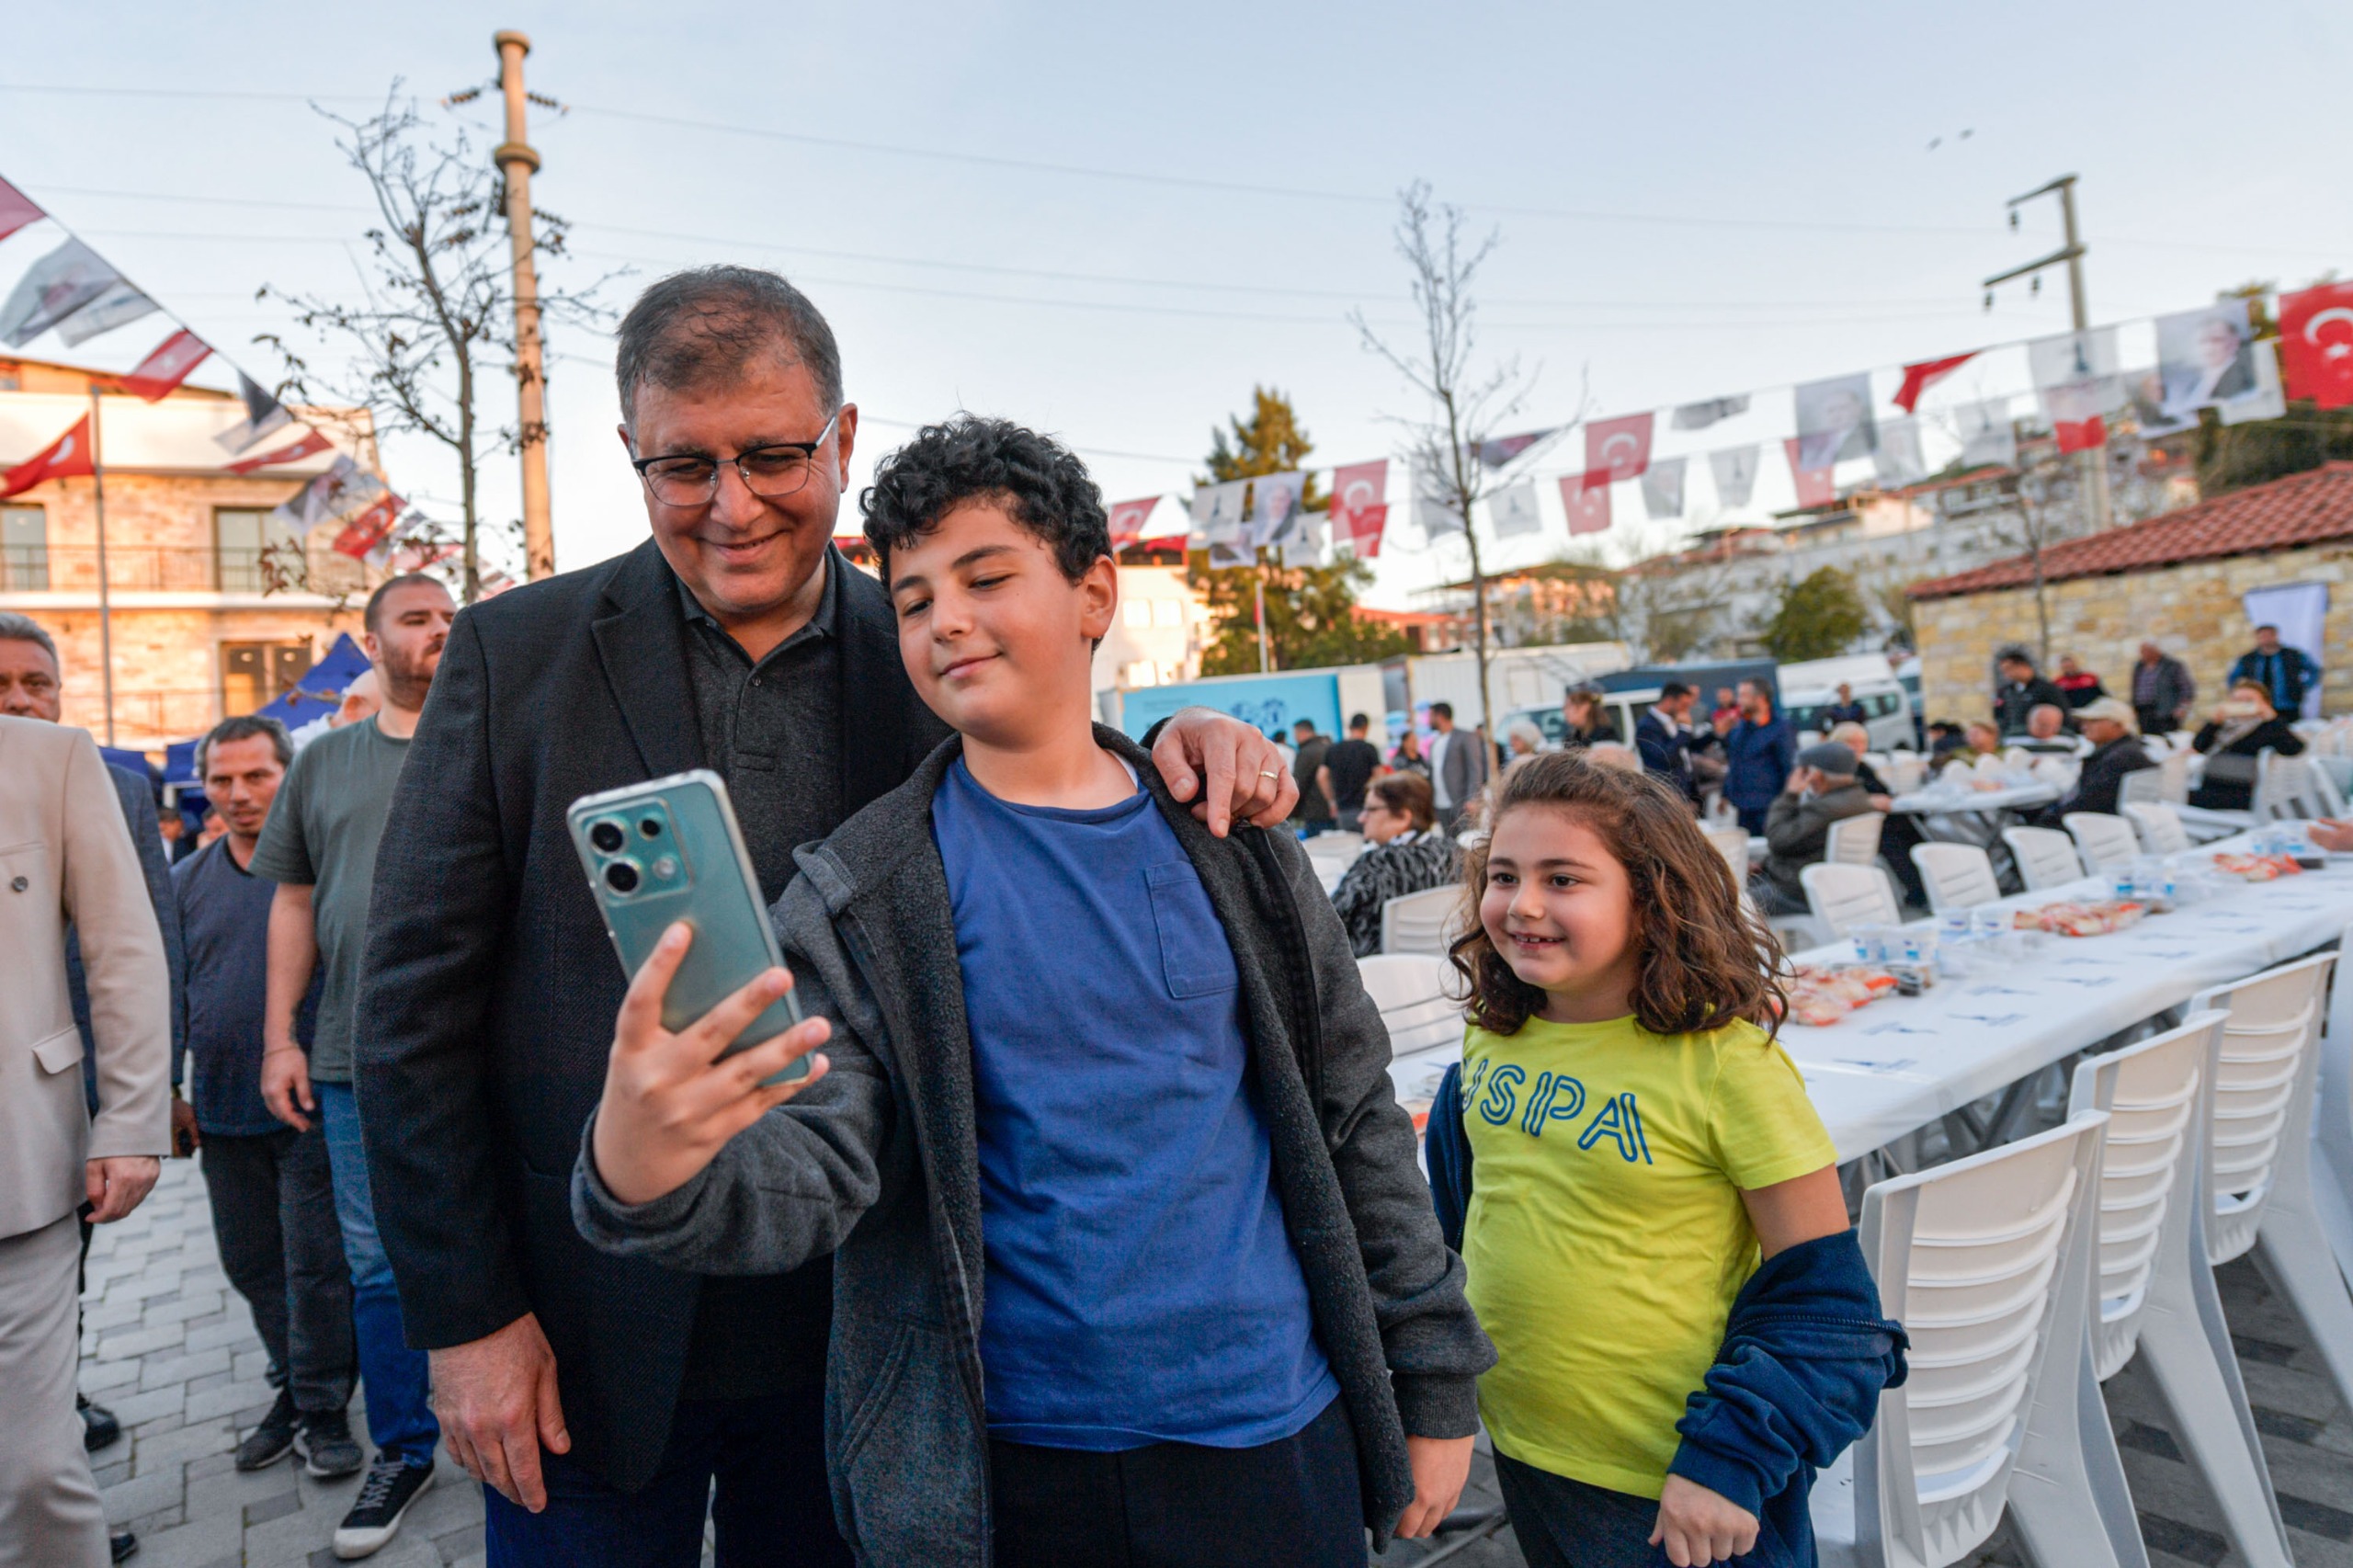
point(65, 858)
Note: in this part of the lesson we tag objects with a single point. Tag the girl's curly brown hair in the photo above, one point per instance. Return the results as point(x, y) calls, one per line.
point(1706, 958)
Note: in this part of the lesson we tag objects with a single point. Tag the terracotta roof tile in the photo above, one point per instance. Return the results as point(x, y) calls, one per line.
point(2302, 509)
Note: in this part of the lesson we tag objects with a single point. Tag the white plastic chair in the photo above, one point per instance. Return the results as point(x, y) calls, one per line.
point(1843, 897)
point(2159, 826)
point(1731, 843)
point(1957, 875)
point(1906, 771)
point(2105, 841)
point(2153, 1279)
point(2332, 1167)
point(1854, 841)
point(1986, 1263)
point(1335, 846)
point(1418, 922)
point(1410, 991)
point(2259, 1165)
point(2173, 778)
point(2143, 786)
point(2046, 857)
point(2292, 788)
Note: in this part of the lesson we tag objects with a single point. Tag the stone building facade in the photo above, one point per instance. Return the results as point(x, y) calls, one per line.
point(212, 608)
point(2175, 579)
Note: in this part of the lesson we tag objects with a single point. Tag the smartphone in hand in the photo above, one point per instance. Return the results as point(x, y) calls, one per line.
point(668, 850)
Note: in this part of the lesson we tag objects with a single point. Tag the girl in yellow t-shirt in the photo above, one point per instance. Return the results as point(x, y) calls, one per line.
point(1637, 1137)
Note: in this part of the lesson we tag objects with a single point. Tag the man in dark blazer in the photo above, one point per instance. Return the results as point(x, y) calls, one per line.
point(599, 1396)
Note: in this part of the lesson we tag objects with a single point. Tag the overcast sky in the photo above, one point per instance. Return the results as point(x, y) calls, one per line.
point(1042, 211)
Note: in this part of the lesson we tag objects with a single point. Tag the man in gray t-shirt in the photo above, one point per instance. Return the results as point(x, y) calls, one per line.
point(330, 813)
point(320, 849)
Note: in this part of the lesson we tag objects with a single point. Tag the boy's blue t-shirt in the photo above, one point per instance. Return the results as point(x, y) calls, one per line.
point(1141, 1284)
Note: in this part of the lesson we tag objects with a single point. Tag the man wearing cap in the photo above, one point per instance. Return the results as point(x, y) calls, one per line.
point(2115, 736)
point(1822, 790)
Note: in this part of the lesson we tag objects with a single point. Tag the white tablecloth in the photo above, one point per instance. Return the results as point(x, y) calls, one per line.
point(1901, 1063)
point(1922, 803)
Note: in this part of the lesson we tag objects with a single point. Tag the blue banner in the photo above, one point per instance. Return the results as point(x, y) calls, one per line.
point(1270, 704)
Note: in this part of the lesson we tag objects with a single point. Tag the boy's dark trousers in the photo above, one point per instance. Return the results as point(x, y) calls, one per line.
point(1295, 1503)
point(273, 1214)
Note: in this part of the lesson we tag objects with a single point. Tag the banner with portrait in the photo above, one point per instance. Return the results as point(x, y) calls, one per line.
point(2206, 358)
point(1835, 421)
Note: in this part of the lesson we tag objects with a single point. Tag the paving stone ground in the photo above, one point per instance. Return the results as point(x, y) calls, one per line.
point(171, 1349)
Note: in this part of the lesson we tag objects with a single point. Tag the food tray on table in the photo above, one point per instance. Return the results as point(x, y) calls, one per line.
point(1820, 994)
point(2085, 917)
point(2256, 867)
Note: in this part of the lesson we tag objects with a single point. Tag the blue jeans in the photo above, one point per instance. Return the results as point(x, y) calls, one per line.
point(400, 1415)
point(774, 1509)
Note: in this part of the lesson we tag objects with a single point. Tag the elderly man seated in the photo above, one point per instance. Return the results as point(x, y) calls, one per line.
point(1822, 790)
point(2047, 734)
point(1895, 840)
point(2115, 736)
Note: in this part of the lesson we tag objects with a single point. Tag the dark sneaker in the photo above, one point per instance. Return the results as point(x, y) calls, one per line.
point(384, 1496)
point(324, 1442)
point(273, 1439)
point(122, 1545)
point(98, 1427)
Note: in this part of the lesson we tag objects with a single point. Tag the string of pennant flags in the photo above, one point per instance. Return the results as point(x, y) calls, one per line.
point(79, 295)
point(2206, 358)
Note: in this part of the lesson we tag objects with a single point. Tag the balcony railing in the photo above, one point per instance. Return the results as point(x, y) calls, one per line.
point(74, 568)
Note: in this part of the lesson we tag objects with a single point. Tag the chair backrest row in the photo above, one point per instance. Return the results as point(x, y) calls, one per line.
point(1843, 897)
point(1854, 841)
point(2105, 841)
point(1410, 991)
point(1419, 922)
point(2263, 1093)
point(2159, 825)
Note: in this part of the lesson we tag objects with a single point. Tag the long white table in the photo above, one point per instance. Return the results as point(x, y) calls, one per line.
point(1898, 1064)
point(1936, 803)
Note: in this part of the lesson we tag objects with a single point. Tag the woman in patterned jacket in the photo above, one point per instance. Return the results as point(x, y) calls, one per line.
point(1406, 853)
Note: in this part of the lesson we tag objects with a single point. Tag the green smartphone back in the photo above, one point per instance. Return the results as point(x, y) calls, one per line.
point(668, 850)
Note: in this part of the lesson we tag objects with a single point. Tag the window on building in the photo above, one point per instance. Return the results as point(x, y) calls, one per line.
point(251, 674)
point(1169, 612)
point(1136, 612)
point(24, 549)
point(241, 535)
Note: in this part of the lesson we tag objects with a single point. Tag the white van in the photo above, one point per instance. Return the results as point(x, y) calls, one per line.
point(1887, 711)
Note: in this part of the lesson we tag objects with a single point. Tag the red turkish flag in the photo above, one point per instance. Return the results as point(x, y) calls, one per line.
point(1617, 448)
point(369, 529)
point(1355, 488)
point(1129, 518)
point(1366, 525)
point(17, 209)
point(1816, 485)
point(2080, 435)
point(309, 446)
point(1586, 498)
point(157, 375)
point(1919, 378)
point(64, 458)
point(2316, 344)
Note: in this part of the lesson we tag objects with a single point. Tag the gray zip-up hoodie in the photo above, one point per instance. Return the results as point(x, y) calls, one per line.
point(878, 1163)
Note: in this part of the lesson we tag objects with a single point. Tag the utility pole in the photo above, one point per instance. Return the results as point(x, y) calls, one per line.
point(517, 163)
point(106, 598)
point(2093, 462)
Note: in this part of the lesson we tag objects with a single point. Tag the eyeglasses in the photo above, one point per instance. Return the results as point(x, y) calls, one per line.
point(769, 472)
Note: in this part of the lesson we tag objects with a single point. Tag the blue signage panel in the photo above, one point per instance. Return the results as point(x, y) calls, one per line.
point(1271, 704)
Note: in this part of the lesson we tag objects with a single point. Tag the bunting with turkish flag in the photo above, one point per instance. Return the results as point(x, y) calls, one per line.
point(1816, 486)
point(310, 446)
point(17, 209)
point(2316, 344)
point(369, 529)
point(1617, 448)
point(1586, 498)
point(1129, 519)
point(1358, 491)
point(159, 375)
point(66, 458)
point(2078, 412)
point(1919, 378)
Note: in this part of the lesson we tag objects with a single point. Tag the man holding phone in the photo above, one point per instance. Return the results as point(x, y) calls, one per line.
point(600, 1397)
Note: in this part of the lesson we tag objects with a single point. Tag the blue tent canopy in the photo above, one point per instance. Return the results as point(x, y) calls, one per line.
point(320, 691)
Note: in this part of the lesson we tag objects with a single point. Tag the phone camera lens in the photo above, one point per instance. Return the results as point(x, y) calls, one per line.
point(621, 877)
point(651, 827)
point(606, 836)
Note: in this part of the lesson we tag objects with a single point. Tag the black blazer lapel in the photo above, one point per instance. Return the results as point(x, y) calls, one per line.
point(642, 649)
point(886, 731)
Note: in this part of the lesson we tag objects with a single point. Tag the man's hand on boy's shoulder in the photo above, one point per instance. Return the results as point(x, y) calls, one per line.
point(672, 1101)
point(1246, 776)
